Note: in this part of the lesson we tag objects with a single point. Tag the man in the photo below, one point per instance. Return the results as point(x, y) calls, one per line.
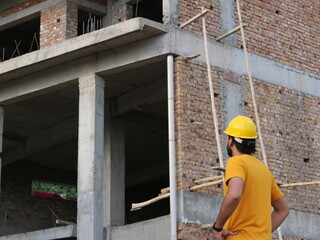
point(250, 190)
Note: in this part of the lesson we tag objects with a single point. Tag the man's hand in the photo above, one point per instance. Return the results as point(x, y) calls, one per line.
point(223, 234)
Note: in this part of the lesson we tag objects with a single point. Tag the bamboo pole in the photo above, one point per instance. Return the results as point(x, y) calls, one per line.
point(208, 179)
point(299, 184)
point(137, 206)
point(164, 190)
point(251, 86)
point(58, 221)
point(255, 107)
point(206, 185)
point(232, 31)
point(194, 18)
point(214, 112)
point(209, 225)
point(163, 195)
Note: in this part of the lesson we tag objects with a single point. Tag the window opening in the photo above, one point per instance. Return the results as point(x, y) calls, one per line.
point(150, 9)
point(20, 39)
point(88, 22)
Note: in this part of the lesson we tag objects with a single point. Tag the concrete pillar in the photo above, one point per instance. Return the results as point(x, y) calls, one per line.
point(90, 158)
point(1, 138)
point(114, 194)
point(228, 20)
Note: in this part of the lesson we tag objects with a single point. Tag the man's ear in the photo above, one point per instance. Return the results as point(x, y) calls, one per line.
point(230, 142)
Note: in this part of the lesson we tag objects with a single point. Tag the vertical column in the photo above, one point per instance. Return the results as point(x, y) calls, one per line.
point(114, 188)
point(228, 20)
point(1, 138)
point(90, 158)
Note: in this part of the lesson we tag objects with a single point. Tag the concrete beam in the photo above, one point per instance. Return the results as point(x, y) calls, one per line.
point(95, 42)
point(232, 59)
point(46, 234)
point(298, 224)
point(101, 60)
point(148, 94)
point(155, 229)
point(90, 158)
point(34, 11)
point(44, 139)
point(114, 167)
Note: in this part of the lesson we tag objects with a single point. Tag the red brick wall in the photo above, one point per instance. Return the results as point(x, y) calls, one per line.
point(291, 129)
point(21, 6)
point(290, 124)
point(195, 139)
point(58, 23)
point(284, 31)
point(190, 8)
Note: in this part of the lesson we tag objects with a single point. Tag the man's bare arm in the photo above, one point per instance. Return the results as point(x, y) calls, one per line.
point(280, 212)
point(231, 201)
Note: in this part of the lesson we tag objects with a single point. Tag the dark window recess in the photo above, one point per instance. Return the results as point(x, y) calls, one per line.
point(20, 39)
point(145, 192)
point(150, 9)
point(88, 22)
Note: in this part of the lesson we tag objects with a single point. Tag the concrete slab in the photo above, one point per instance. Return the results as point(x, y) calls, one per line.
point(45, 234)
point(123, 33)
point(155, 229)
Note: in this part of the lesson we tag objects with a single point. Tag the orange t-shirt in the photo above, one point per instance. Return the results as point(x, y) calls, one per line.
point(252, 217)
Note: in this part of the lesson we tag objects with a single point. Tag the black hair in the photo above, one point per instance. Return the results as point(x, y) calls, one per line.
point(248, 146)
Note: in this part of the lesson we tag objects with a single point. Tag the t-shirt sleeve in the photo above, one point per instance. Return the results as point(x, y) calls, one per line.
point(276, 193)
point(235, 168)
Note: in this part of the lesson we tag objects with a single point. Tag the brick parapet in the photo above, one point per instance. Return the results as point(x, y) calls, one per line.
point(58, 23)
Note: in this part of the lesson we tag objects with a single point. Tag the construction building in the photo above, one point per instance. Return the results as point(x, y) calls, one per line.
point(102, 96)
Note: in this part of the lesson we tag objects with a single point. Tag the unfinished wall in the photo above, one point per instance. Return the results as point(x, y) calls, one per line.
point(58, 23)
point(290, 124)
point(195, 141)
point(284, 31)
point(188, 9)
point(291, 128)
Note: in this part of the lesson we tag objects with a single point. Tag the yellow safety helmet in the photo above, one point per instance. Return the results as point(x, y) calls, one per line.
point(242, 127)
